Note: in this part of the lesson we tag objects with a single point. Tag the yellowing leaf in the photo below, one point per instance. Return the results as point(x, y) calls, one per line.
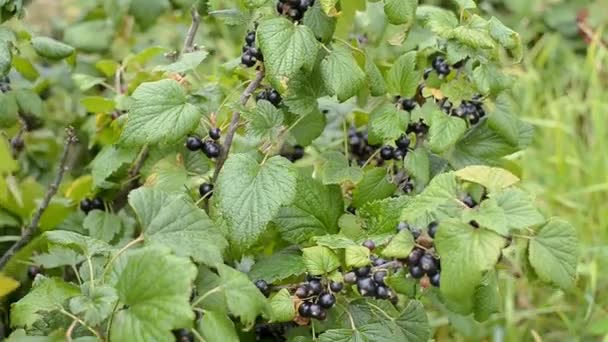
point(7, 285)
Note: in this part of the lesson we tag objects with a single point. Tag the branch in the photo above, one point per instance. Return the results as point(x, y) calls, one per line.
point(189, 41)
point(32, 228)
point(234, 123)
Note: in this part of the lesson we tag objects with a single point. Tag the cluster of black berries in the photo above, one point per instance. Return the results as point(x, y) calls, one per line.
point(293, 155)
point(272, 331)
point(209, 147)
point(270, 95)
point(5, 84)
point(370, 279)
point(251, 54)
point(421, 261)
point(470, 110)
point(388, 152)
point(294, 9)
point(360, 148)
point(88, 204)
point(316, 297)
point(419, 127)
point(183, 335)
point(440, 66)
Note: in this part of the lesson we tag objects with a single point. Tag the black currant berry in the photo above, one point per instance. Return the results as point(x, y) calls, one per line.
point(469, 201)
point(366, 286)
point(183, 335)
point(302, 291)
point(298, 153)
point(378, 262)
point(248, 59)
point(314, 287)
point(315, 310)
point(362, 271)
point(33, 271)
point(387, 152)
point(414, 258)
point(399, 154)
point(415, 232)
point(295, 14)
point(194, 144)
point(85, 205)
point(97, 203)
point(402, 226)
point(263, 286)
point(211, 149)
point(215, 133)
point(432, 229)
point(327, 300)
point(408, 104)
point(382, 292)
point(205, 190)
point(321, 316)
point(435, 279)
point(403, 143)
point(427, 263)
point(416, 272)
point(274, 97)
point(379, 277)
point(304, 309)
point(335, 286)
point(250, 38)
point(369, 244)
point(350, 278)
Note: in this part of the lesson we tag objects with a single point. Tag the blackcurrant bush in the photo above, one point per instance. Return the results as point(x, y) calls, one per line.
point(205, 190)
point(366, 286)
point(435, 279)
point(382, 292)
point(362, 271)
point(194, 144)
point(211, 149)
point(432, 228)
point(387, 152)
point(302, 291)
point(215, 133)
point(369, 244)
point(314, 287)
point(327, 300)
point(416, 272)
point(335, 286)
point(379, 277)
point(427, 263)
point(263, 286)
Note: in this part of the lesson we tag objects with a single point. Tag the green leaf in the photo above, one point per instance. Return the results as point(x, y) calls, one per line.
point(493, 178)
point(8, 164)
point(86, 82)
point(309, 128)
point(403, 78)
point(249, 195)
point(51, 48)
point(474, 34)
point(438, 20)
point(282, 308)
point(413, 323)
point(490, 80)
point(343, 335)
point(488, 215)
point(329, 6)
point(29, 102)
point(519, 208)
point(336, 170)
point(302, 93)
point(98, 104)
point(466, 4)
point(320, 260)
point(382, 217)
point(206, 281)
point(94, 306)
point(102, 225)
point(8, 109)
point(287, 48)
point(553, 253)
point(342, 74)
point(216, 326)
point(188, 61)
point(6, 57)
point(418, 165)
point(264, 121)
point(487, 297)
point(57, 256)
point(175, 222)
point(47, 294)
point(377, 86)
point(458, 89)
point(506, 37)
point(159, 114)
point(375, 185)
point(108, 161)
point(445, 131)
point(25, 67)
point(90, 36)
point(278, 266)
point(441, 191)
point(88, 246)
point(356, 256)
point(504, 122)
point(154, 287)
point(146, 12)
point(335, 241)
point(401, 246)
point(243, 298)
point(401, 12)
point(386, 122)
point(461, 244)
point(322, 25)
point(315, 211)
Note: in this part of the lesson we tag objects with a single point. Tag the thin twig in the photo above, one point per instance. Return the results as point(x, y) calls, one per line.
point(83, 323)
point(189, 41)
point(32, 228)
point(234, 123)
point(17, 140)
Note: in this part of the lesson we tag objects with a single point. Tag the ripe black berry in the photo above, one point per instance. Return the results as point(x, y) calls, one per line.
point(211, 149)
point(304, 309)
point(248, 59)
point(399, 154)
point(183, 335)
point(432, 228)
point(469, 201)
point(408, 104)
point(427, 263)
point(366, 286)
point(316, 310)
point(350, 277)
point(416, 272)
point(362, 271)
point(321, 316)
point(85, 205)
point(435, 279)
point(204, 189)
point(302, 292)
point(314, 287)
point(97, 203)
point(379, 277)
point(194, 144)
point(263, 286)
point(387, 152)
point(215, 133)
point(379, 262)
point(327, 300)
point(274, 97)
point(298, 153)
point(414, 258)
point(335, 286)
point(382, 292)
point(250, 38)
point(369, 244)
point(402, 226)
point(33, 271)
point(403, 143)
